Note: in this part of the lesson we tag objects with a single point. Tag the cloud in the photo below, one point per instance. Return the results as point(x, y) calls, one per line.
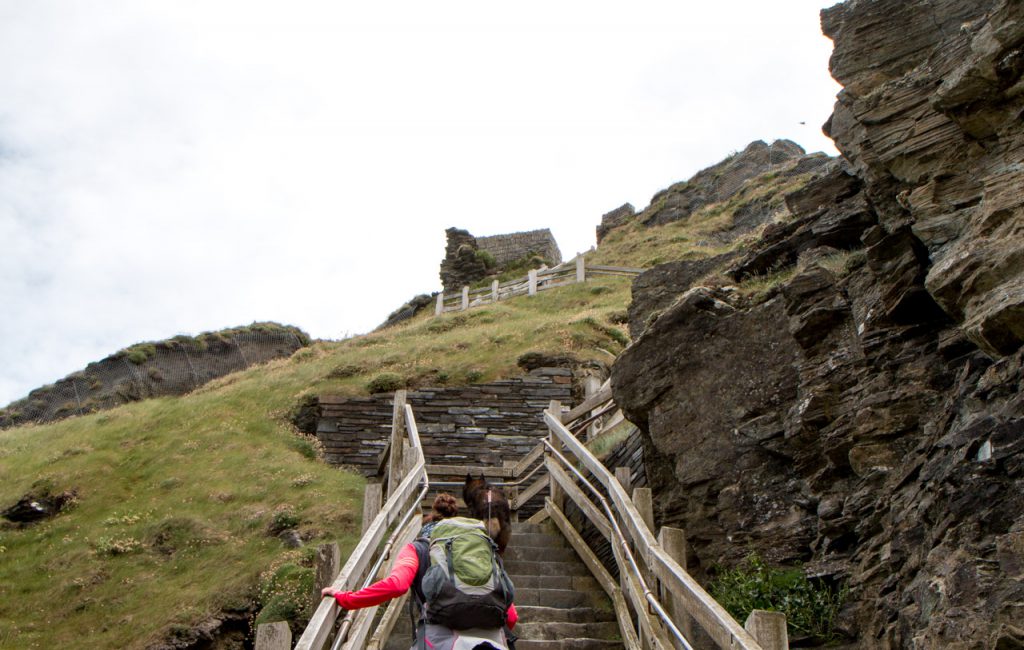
point(174, 167)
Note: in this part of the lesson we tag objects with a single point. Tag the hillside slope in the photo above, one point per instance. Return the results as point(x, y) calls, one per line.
point(181, 506)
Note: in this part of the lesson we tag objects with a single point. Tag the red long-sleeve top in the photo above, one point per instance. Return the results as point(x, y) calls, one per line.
point(396, 584)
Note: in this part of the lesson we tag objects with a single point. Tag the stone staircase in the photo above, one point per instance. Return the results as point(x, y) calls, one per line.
point(560, 605)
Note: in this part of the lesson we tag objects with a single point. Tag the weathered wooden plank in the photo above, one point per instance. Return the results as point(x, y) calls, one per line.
point(582, 501)
point(589, 404)
point(373, 497)
point(528, 460)
point(475, 470)
point(639, 532)
point(712, 617)
point(538, 517)
point(535, 488)
point(273, 636)
point(652, 629)
point(396, 465)
point(769, 628)
point(319, 627)
point(361, 628)
point(607, 582)
point(328, 563)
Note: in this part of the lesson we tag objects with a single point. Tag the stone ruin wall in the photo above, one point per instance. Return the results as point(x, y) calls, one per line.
point(461, 267)
point(481, 424)
point(514, 246)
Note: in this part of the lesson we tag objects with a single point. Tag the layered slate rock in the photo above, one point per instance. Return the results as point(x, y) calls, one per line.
point(930, 119)
point(720, 182)
point(845, 423)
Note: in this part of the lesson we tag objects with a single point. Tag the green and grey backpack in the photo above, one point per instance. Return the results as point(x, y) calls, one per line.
point(461, 582)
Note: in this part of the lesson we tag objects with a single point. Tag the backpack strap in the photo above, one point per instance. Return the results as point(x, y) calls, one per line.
point(418, 603)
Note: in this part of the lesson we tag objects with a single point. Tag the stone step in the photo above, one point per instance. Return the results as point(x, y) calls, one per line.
point(546, 554)
point(532, 568)
point(563, 598)
point(569, 644)
point(575, 583)
point(567, 630)
point(523, 527)
point(535, 614)
point(535, 540)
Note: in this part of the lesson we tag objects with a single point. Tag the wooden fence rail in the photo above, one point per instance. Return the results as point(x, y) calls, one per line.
point(656, 601)
point(657, 565)
point(571, 272)
point(400, 514)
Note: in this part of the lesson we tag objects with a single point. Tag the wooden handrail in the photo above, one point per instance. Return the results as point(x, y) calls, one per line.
point(715, 620)
point(397, 505)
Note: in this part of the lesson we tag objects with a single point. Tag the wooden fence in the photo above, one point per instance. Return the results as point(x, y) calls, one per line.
point(570, 272)
point(658, 605)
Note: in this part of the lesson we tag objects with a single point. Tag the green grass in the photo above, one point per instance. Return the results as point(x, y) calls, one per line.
point(175, 500)
point(178, 497)
point(700, 235)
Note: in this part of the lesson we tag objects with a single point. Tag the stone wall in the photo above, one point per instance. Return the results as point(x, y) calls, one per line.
point(461, 266)
point(515, 246)
point(482, 424)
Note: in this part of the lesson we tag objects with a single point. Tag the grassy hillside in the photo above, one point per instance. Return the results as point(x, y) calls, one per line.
point(178, 500)
point(177, 497)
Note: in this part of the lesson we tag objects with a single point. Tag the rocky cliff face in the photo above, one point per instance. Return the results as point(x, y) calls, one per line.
point(864, 416)
point(172, 367)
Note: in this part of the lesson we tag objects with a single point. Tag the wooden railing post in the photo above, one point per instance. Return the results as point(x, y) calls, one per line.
point(465, 298)
point(581, 270)
point(439, 307)
point(768, 628)
point(624, 475)
point(592, 386)
point(557, 494)
point(373, 499)
point(533, 282)
point(328, 563)
point(494, 291)
point(396, 468)
point(673, 540)
point(273, 636)
point(644, 502)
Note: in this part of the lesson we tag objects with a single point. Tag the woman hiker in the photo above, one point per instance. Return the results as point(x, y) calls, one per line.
point(407, 574)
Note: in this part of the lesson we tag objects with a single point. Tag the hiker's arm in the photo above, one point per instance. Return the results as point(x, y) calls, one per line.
point(396, 584)
point(511, 617)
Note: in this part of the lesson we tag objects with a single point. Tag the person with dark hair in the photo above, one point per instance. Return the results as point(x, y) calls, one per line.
point(408, 573)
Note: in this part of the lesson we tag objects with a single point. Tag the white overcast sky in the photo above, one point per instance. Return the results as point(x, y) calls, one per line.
point(179, 166)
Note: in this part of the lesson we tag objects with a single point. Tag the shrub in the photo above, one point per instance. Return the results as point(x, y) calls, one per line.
point(118, 546)
point(486, 259)
point(177, 533)
point(619, 317)
point(307, 445)
point(386, 382)
point(810, 607)
point(281, 521)
point(345, 370)
point(284, 594)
